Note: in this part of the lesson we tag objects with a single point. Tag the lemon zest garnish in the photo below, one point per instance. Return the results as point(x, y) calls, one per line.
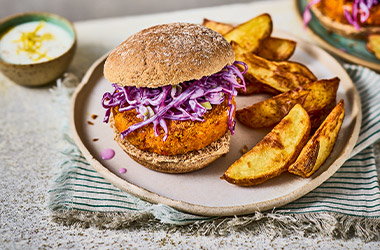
point(31, 43)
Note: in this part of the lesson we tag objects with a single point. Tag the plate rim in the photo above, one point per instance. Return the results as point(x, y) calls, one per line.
point(326, 45)
point(215, 210)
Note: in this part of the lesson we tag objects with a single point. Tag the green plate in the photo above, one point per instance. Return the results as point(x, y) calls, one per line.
point(352, 50)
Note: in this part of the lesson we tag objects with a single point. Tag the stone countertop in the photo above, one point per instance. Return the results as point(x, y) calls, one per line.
point(30, 136)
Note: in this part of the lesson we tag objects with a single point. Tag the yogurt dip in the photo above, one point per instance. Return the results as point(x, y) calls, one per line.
point(34, 42)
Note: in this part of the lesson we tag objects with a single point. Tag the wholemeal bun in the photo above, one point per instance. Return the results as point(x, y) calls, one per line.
point(344, 29)
point(168, 54)
point(183, 163)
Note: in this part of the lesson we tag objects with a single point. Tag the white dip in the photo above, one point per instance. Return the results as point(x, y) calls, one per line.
point(34, 42)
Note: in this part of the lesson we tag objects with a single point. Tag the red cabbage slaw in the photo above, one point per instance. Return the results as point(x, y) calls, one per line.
point(360, 9)
point(186, 101)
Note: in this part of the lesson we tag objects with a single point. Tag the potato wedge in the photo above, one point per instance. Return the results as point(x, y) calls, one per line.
point(222, 28)
point(282, 76)
point(271, 48)
point(274, 153)
point(318, 116)
point(373, 44)
point(276, 49)
point(322, 93)
point(272, 110)
point(320, 145)
point(250, 34)
point(314, 97)
point(253, 86)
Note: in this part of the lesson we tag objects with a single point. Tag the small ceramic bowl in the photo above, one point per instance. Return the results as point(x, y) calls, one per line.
point(40, 73)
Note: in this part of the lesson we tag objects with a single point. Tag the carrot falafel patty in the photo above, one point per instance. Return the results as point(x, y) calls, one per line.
point(183, 136)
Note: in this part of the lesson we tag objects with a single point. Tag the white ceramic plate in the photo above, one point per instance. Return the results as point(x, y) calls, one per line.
point(203, 192)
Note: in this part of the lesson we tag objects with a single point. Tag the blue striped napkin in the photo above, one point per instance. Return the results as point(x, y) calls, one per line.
point(347, 202)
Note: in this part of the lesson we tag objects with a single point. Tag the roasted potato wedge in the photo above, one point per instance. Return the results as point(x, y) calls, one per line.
point(373, 44)
point(271, 111)
point(222, 28)
point(276, 49)
point(281, 76)
point(250, 34)
point(274, 153)
point(318, 116)
point(322, 93)
point(253, 86)
point(320, 145)
point(270, 86)
point(314, 97)
point(271, 48)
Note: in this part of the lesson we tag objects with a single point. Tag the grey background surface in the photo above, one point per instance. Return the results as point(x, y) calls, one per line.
point(77, 10)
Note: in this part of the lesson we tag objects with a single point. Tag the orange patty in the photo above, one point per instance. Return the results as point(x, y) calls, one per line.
point(184, 136)
point(335, 10)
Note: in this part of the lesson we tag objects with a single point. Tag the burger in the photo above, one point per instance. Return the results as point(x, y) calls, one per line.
point(349, 18)
point(172, 105)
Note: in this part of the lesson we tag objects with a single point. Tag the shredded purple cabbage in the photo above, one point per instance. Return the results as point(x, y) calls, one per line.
point(186, 101)
point(358, 14)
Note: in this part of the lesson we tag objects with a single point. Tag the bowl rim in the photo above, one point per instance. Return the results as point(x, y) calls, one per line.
point(47, 14)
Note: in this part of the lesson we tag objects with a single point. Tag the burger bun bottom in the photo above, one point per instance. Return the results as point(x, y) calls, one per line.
point(183, 163)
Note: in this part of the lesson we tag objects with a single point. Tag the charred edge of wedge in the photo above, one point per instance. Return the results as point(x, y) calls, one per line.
point(307, 162)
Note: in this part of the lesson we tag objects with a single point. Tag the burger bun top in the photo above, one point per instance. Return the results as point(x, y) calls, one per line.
point(168, 54)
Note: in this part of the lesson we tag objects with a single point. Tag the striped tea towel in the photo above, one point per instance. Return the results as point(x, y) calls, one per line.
point(346, 205)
